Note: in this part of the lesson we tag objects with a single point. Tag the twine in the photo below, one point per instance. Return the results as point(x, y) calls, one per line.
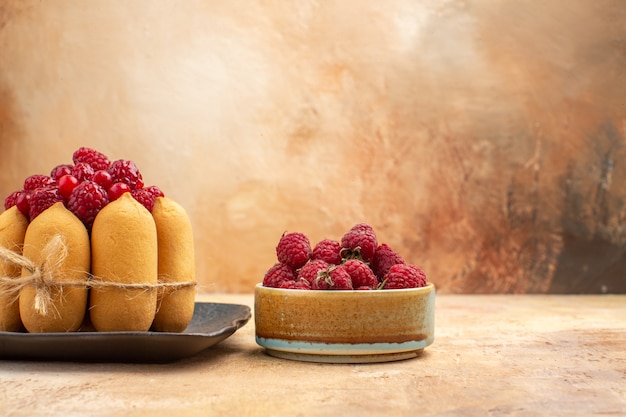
point(43, 276)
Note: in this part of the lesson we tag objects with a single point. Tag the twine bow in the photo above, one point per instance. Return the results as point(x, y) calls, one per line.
point(42, 276)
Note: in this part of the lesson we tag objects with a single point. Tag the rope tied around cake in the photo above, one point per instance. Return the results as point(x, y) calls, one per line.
point(43, 276)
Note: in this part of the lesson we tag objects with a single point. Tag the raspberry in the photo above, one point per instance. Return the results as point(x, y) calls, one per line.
point(87, 199)
point(334, 278)
point(278, 274)
point(38, 181)
point(328, 250)
point(384, 258)
point(156, 191)
point(60, 170)
point(82, 171)
point(91, 157)
point(146, 196)
point(41, 199)
point(310, 271)
point(294, 249)
point(404, 276)
point(359, 242)
point(421, 275)
point(296, 285)
point(361, 274)
point(126, 171)
point(11, 199)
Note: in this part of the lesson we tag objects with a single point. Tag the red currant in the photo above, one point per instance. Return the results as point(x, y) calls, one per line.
point(23, 204)
point(102, 178)
point(67, 183)
point(117, 189)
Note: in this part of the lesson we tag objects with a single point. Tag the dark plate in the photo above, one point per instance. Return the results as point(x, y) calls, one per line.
point(211, 323)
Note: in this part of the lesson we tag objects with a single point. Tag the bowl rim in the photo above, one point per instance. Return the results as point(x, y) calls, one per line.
point(260, 287)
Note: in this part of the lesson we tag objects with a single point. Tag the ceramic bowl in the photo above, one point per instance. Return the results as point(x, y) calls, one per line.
point(344, 326)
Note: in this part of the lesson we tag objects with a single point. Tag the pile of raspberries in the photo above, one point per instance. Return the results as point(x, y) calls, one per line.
point(358, 262)
point(85, 186)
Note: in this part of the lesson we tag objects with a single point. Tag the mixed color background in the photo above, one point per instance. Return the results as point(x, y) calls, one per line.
point(484, 141)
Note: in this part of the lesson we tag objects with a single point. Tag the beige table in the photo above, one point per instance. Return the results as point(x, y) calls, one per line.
point(493, 355)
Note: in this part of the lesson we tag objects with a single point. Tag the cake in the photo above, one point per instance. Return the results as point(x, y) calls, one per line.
point(90, 247)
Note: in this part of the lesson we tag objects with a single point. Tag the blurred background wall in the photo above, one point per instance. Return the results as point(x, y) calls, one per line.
point(482, 140)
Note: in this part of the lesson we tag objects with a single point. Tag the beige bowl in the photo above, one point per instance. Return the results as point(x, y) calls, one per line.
point(344, 326)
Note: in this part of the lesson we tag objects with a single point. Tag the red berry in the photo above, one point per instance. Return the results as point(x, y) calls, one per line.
point(334, 278)
point(60, 170)
point(67, 183)
point(310, 271)
point(361, 274)
point(359, 242)
point(11, 199)
point(126, 171)
point(41, 199)
point(384, 258)
point(38, 181)
point(295, 285)
point(278, 274)
point(86, 201)
point(404, 276)
point(155, 191)
point(294, 249)
point(144, 197)
point(22, 203)
point(421, 275)
point(102, 178)
point(82, 171)
point(91, 157)
point(328, 250)
point(116, 190)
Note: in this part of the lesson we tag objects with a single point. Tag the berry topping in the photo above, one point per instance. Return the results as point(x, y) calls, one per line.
point(294, 249)
point(404, 276)
point(359, 242)
point(85, 186)
point(328, 250)
point(82, 171)
point(38, 181)
point(87, 199)
point(102, 178)
point(126, 171)
point(60, 170)
point(11, 199)
point(384, 258)
point(278, 274)
point(91, 157)
point(116, 190)
point(145, 197)
point(155, 191)
point(22, 203)
point(67, 183)
point(41, 199)
point(361, 274)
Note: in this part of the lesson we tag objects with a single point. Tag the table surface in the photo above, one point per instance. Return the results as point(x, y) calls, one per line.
point(496, 355)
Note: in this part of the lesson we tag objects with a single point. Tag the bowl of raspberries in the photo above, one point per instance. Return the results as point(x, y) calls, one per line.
point(352, 300)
